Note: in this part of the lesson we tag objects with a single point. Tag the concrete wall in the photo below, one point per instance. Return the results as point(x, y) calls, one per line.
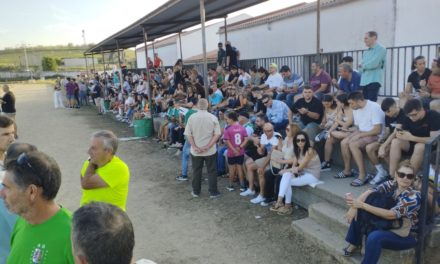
point(75, 62)
point(167, 53)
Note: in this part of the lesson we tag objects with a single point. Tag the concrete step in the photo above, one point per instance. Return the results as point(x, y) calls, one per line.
point(330, 216)
point(320, 236)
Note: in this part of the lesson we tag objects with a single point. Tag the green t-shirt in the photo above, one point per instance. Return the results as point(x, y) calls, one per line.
point(117, 176)
point(45, 243)
point(187, 115)
point(172, 113)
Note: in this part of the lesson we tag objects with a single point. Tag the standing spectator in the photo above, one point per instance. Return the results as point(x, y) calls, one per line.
point(221, 55)
point(292, 85)
point(203, 131)
point(70, 92)
point(8, 105)
point(231, 55)
point(274, 80)
point(77, 104)
point(57, 96)
point(394, 118)
point(82, 93)
point(419, 127)
point(350, 80)
point(104, 176)
point(7, 220)
point(102, 233)
point(42, 231)
point(372, 66)
point(370, 120)
point(277, 112)
point(311, 112)
point(236, 138)
point(320, 80)
point(158, 63)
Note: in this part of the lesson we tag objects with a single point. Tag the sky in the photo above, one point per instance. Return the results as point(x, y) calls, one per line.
point(59, 22)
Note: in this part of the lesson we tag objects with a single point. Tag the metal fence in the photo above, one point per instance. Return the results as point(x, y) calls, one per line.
point(427, 222)
point(397, 67)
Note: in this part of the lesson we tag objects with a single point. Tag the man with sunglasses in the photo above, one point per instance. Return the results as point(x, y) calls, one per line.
point(7, 219)
point(42, 232)
point(419, 127)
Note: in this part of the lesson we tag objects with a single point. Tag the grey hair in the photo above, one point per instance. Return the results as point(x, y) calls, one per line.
point(346, 67)
point(203, 104)
point(109, 139)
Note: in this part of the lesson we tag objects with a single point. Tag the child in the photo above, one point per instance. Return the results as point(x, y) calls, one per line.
point(235, 137)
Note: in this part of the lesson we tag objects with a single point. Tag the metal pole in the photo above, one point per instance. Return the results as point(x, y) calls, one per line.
point(149, 87)
point(93, 63)
point(205, 62)
point(119, 54)
point(318, 28)
point(226, 30)
point(180, 43)
point(103, 59)
point(87, 66)
point(154, 50)
point(85, 45)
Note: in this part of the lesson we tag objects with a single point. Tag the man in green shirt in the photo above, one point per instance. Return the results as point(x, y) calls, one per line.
point(41, 234)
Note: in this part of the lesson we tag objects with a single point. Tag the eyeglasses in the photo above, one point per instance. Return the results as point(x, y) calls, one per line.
point(266, 102)
point(402, 175)
point(298, 140)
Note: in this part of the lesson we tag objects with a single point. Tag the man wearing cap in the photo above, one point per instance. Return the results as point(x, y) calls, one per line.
point(274, 80)
point(291, 86)
point(221, 55)
point(243, 120)
point(320, 80)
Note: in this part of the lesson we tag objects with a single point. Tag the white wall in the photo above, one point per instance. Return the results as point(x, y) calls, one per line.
point(167, 53)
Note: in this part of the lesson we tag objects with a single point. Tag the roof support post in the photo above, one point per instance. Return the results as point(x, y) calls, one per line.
point(318, 29)
point(103, 59)
point(205, 62)
point(180, 44)
point(93, 63)
point(87, 66)
point(226, 30)
point(149, 87)
point(119, 54)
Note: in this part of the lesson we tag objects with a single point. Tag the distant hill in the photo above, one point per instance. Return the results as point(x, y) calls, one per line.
point(14, 58)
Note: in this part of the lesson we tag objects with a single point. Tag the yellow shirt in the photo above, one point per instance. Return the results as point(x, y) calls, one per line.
point(116, 175)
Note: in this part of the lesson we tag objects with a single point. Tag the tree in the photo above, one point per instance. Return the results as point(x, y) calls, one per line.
point(49, 64)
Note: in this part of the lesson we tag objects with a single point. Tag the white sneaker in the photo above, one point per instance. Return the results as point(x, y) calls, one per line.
point(247, 192)
point(257, 199)
point(380, 176)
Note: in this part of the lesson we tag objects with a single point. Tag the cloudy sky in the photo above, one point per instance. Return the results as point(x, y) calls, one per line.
point(53, 22)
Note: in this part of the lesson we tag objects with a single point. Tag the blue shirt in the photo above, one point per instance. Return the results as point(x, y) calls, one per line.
point(293, 80)
point(7, 222)
point(216, 98)
point(352, 85)
point(373, 65)
point(278, 112)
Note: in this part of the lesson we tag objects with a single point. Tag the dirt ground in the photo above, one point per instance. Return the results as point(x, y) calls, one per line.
point(170, 225)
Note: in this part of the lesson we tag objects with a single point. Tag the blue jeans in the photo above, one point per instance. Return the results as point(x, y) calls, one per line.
point(377, 240)
point(288, 97)
point(281, 126)
point(185, 158)
point(221, 163)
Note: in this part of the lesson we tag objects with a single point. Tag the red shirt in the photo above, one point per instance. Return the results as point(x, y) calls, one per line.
point(434, 83)
point(157, 62)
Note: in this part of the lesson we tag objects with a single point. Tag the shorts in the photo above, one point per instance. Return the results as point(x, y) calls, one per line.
point(70, 96)
point(311, 128)
point(260, 161)
point(239, 160)
point(410, 151)
point(363, 141)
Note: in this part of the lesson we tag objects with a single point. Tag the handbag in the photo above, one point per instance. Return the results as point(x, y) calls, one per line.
point(275, 167)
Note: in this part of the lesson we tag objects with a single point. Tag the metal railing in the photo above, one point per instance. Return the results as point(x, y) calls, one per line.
point(427, 209)
point(397, 66)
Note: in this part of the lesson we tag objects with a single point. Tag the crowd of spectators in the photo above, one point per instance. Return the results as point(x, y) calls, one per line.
point(275, 130)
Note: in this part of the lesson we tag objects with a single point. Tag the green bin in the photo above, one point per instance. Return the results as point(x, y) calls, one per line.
point(107, 105)
point(143, 127)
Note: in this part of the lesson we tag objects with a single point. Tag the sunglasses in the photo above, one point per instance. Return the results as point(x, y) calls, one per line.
point(402, 175)
point(298, 140)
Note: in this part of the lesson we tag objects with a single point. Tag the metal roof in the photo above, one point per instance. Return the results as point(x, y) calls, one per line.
point(172, 17)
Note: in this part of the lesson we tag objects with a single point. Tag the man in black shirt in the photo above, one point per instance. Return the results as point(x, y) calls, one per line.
point(8, 105)
point(394, 118)
point(231, 55)
point(311, 112)
point(418, 127)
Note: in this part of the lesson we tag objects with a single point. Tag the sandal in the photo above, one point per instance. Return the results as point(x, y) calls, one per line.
point(276, 207)
point(342, 175)
point(358, 182)
point(348, 254)
point(285, 210)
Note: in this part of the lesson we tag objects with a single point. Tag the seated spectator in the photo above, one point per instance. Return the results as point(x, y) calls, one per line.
point(311, 112)
point(406, 209)
point(434, 86)
point(305, 170)
point(251, 149)
point(394, 118)
point(244, 80)
point(339, 130)
point(320, 81)
point(257, 95)
point(216, 97)
point(370, 122)
point(255, 78)
point(417, 80)
point(418, 127)
point(235, 101)
point(269, 139)
point(272, 177)
point(329, 117)
point(233, 76)
point(263, 74)
point(292, 85)
point(350, 80)
point(179, 94)
point(243, 119)
point(277, 112)
point(102, 233)
point(220, 76)
point(274, 80)
point(212, 76)
point(195, 77)
point(43, 227)
point(235, 137)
